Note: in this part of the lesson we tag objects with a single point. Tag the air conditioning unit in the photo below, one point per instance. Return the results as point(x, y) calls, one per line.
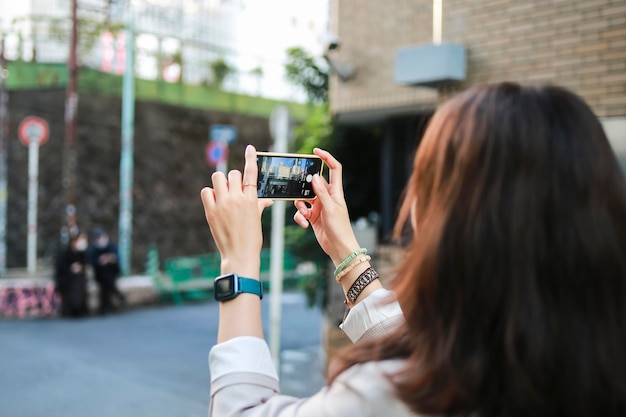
point(430, 65)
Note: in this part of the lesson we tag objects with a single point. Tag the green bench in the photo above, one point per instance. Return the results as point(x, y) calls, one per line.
point(191, 277)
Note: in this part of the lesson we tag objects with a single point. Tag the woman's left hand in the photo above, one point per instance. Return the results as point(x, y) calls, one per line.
point(233, 212)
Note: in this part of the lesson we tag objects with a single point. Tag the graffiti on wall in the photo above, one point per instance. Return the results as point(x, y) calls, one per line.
point(33, 300)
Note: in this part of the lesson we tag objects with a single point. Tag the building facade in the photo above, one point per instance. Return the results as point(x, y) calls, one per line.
point(189, 31)
point(578, 44)
point(175, 40)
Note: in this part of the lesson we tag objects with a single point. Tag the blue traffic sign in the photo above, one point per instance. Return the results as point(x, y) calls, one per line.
point(223, 133)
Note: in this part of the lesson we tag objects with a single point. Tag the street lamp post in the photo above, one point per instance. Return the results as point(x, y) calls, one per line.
point(280, 130)
point(71, 106)
point(125, 225)
point(4, 119)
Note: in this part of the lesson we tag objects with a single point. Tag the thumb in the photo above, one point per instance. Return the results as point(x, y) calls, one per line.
point(263, 204)
point(321, 191)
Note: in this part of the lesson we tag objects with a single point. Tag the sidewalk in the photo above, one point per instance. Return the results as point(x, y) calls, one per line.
point(302, 370)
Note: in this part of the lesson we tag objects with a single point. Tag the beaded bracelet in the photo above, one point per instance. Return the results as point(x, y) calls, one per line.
point(349, 259)
point(353, 265)
point(366, 278)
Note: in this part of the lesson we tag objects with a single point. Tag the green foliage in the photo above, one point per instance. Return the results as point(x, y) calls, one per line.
point(315, 290)
point(221, 70)
point(303, 70)
point(302, 244)
point(89, 31)
point(59, 29)
point(315, 132)
point(177, 58)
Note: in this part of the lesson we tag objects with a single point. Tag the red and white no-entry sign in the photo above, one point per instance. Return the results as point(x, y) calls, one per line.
point(33, 128)
point(33, 132)
point(216, 153)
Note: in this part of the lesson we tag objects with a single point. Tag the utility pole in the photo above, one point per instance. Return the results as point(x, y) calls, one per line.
point(279, 125)
point(4, 149)
point(125, 226)
point(71, 106)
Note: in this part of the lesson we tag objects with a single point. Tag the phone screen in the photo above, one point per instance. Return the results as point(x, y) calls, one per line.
point(287, 176)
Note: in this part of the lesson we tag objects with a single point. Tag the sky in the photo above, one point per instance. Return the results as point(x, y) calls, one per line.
point(269, 27)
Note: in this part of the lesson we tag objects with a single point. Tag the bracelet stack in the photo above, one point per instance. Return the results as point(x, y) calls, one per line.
point(366, 278)
point(349, 259)
point(351, 266)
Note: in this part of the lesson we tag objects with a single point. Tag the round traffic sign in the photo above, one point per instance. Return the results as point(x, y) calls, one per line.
point(33, 128)
point(216, 152)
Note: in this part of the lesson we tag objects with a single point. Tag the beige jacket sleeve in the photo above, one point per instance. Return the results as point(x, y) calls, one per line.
point(244, 382)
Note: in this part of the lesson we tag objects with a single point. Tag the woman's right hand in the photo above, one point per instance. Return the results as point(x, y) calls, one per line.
point(328, 213)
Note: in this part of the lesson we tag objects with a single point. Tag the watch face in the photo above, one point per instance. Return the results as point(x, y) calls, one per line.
point(225, 287)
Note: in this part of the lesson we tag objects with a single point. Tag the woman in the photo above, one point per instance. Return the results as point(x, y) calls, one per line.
point(512, 293)
point(70, 278)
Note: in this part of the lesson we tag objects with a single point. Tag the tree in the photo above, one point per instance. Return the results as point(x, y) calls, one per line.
point(316, 131)
point(37, 27)
point(89, 31)
point(221, 70)
point(304, 70)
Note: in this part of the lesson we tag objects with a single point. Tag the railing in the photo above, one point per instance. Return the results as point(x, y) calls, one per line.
point(192, 276)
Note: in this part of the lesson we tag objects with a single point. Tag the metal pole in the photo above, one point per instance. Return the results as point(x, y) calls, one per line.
point(281, 133)
point(222, 167)
point(276, 277)
point(125, 226)
point(33, 188)
point(71, 105)
point(4, 119)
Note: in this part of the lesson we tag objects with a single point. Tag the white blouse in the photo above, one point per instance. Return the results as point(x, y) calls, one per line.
point(244, 382)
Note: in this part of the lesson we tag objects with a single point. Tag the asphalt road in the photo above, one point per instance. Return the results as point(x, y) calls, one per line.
point(147, 362)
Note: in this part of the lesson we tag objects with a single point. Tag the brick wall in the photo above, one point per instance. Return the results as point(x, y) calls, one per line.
point(580, 44)
point(370, 32)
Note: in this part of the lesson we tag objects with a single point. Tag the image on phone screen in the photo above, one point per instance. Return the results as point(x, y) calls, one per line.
point(287, 176)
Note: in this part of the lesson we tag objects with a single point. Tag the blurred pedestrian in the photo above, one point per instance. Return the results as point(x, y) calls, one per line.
point(70, 278)
point(103, 257)
point(510, 299)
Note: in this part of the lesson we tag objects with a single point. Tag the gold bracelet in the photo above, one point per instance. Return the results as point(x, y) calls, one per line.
point(351, 266)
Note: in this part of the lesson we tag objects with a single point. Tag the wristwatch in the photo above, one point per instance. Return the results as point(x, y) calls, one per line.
point(229, 286)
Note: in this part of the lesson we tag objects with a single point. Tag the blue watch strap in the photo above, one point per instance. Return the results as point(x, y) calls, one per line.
point(251, 286)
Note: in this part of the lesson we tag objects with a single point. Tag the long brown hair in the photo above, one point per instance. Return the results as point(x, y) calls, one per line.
point(514, 282)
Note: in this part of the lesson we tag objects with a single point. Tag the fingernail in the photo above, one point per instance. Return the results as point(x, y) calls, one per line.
point(316, 178)
point(249, 149)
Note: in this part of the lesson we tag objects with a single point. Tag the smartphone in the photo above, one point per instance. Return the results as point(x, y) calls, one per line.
point(287, 176)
